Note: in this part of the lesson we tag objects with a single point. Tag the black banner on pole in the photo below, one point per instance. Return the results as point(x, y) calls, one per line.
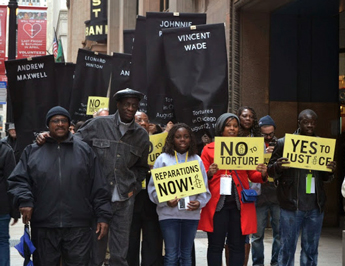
point(138, 67)
point(92, 77)
point(159, 99)
point(64, 76)
point(128, 40)
point(32, 91)
point(120, 77)
point(199, 85)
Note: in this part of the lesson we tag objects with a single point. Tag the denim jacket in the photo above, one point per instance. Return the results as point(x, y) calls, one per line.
point(123, 158)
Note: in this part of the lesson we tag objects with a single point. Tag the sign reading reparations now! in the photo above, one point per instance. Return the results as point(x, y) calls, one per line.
point(238, 153)
point(307, 152)
point(178, 181)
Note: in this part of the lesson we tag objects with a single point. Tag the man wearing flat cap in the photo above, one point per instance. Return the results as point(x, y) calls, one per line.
point(122, 147)
point(59, 187)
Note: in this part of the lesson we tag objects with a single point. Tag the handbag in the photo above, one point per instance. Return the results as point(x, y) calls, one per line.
point(248, 195)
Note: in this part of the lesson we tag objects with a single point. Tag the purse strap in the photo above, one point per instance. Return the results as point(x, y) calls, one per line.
point(239, 179)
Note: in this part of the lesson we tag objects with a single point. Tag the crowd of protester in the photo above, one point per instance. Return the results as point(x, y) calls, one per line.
point(88, 195)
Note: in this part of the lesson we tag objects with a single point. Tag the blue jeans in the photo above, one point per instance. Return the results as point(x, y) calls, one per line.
point(4, 240)
point(291, 223)
point(178, 235)
point(258, 238)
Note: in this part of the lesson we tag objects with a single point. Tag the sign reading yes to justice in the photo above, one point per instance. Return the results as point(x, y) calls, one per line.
point(157, 142)
point(178, 181)
point(238, 153)
point(307, 152)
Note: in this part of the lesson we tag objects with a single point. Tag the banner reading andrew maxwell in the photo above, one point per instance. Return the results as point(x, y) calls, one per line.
point(32, 90)
point(196, 61)
point(241, 153)
point(92, 77)
point(120, 77)
point(159, 98)
point(311, 153)
point(178, 181)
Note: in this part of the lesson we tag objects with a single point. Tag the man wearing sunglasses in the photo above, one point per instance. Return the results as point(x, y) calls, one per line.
point(59, 188)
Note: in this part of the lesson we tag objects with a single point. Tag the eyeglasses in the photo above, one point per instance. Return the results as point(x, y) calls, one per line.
point(141, 120)
point(268, 135)
point(58, 121)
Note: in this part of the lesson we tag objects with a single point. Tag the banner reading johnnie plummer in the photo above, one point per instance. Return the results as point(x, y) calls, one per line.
point(120, 78)
point(92, 77)
point(159, 98)
point(196, 61)
point(32, 90)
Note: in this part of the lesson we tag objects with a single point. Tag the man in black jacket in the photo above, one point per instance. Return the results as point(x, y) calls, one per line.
point(299, 211)
point(59, 188)
point(7, 164)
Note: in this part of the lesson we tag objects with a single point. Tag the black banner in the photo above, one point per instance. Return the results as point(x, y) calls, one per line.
point(32, 91)
point(159, 99)
point(199, 85)
point(64, 76)
point(97, 26)
point(92, 77)
point(138, 68)
point(120, 77)
point(128, 40)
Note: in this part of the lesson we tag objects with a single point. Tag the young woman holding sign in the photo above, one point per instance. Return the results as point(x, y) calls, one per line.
point(179, 218)
point(226, 214)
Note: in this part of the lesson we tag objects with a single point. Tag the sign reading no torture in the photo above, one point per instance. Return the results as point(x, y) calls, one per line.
point(178, 181)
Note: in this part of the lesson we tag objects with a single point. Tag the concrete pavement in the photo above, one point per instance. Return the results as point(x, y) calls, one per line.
point(330, 247)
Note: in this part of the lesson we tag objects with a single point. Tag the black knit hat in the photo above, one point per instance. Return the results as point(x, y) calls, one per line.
point(266, 121)
point(57, 110)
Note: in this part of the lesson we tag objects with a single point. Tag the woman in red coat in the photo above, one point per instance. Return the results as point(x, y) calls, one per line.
point(226, 215)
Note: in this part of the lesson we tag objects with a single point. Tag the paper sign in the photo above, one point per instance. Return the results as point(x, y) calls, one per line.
point(307, 152)
point(178, 181)
point(94, 103)
point(157, 142)
point(267, 157)
point(238, 153)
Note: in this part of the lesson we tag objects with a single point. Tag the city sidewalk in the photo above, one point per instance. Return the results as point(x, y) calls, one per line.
point(330, 247)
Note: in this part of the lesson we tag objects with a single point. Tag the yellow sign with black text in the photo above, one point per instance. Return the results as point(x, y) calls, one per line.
point(241, 153)
point(94, 103)
point(178, 181)
point(307, 152)
point(157, 142)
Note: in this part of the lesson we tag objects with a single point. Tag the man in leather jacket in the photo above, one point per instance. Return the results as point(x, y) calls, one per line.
point(59, 187)
point(299, 211)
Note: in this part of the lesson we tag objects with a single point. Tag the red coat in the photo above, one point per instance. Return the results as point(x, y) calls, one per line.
point(248, 213)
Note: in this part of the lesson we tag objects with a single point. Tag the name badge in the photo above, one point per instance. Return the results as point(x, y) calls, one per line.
point(225, 184)
point(310, 184)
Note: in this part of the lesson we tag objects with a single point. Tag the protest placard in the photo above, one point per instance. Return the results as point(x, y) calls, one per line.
point(95, 103)
point(306, 152)
point(157, 142)
point(178, 181)
point(238, 153)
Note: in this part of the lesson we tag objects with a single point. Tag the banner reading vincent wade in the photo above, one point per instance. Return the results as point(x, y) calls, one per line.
point(92, 76)
point(197, 68)
point(159, 98)
point(32, 90)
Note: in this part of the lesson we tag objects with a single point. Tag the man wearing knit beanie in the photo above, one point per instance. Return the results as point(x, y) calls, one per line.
point(69, 191)
point(267, 203)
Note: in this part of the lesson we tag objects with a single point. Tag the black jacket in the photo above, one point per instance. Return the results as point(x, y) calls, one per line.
point(288, 181)
point(62, 182)
point(7, 164)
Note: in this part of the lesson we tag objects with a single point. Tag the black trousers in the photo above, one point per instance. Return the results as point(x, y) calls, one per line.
point(71, 245)
point(226, 222)
point(145, 221)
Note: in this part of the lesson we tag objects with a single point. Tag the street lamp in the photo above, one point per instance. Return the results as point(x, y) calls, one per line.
point(12, 29)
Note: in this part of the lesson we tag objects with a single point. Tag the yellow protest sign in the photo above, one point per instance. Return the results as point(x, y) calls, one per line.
point(307, 152)
point(94, 103)
point(238, 153)
point(267, 157)
point(157, 142)
point(179, 180)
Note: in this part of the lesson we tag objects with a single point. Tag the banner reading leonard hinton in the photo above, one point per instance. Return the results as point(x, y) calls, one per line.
point(241, 153)
point(311, 153)
point(159, 98)
point(178, 181)
point(197, 68)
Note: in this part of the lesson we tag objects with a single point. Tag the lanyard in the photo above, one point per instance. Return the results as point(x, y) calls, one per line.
point(177, 158)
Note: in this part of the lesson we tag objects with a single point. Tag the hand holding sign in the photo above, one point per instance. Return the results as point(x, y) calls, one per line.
point(212, 170)
point(262, 168)
point(282, 164)
point(332, 165)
